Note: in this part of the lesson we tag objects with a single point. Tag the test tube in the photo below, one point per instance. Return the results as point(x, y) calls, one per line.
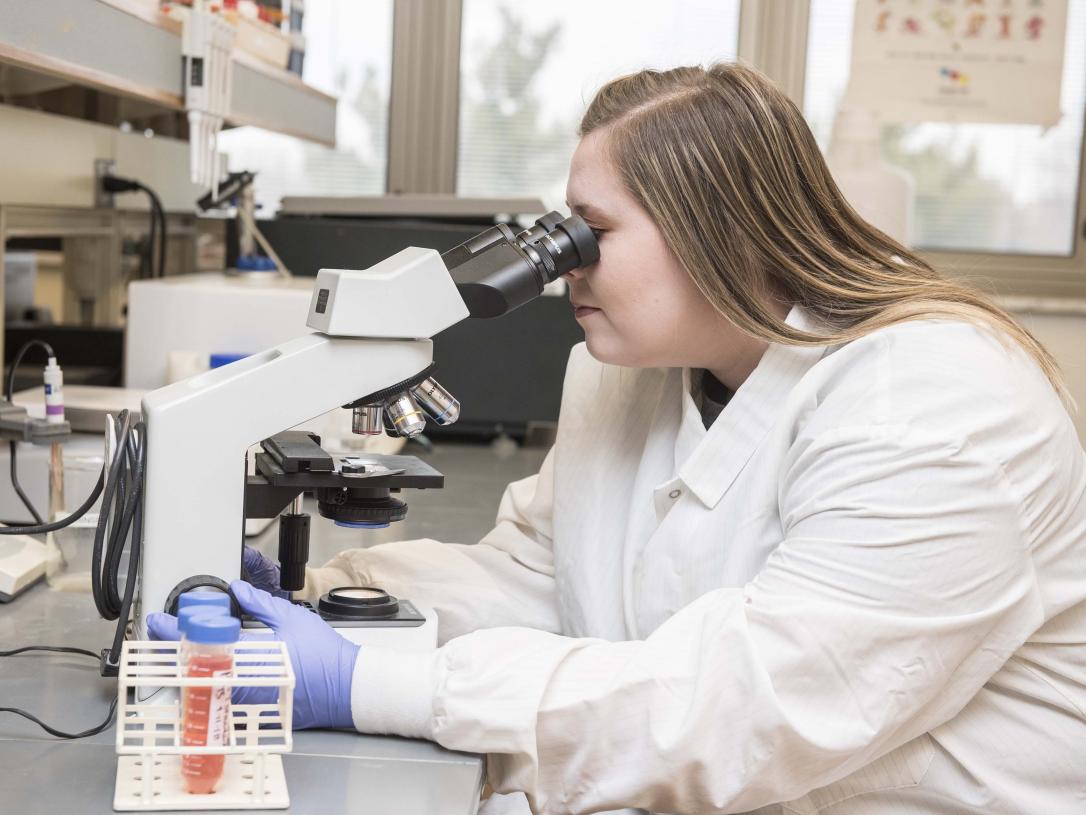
point(205, 717)
point(184, 615)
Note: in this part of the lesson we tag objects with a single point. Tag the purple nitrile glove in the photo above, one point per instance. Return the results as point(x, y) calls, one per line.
point(323, 660)
point(261, 572)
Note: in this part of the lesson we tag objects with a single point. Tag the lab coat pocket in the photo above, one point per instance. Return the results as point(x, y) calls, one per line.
point(901, 768)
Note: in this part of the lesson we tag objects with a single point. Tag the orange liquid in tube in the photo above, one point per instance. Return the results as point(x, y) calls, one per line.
point(205, 711)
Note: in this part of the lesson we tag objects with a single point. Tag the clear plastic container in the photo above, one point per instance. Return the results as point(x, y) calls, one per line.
point(68, 550)
point(68, 555)
point(205, 711)
point(190, 609)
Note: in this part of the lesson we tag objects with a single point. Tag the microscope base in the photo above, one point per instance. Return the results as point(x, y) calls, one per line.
point(414, 628)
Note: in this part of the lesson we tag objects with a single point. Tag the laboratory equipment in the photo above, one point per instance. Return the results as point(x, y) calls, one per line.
point(370, 349)
point(206, 41)
point(529, 346)
point(204, 314)
point(237, 189)
point(23, 560)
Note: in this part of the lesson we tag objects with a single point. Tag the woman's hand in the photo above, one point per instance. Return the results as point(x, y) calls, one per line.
point(323, 660)
point(261, 572)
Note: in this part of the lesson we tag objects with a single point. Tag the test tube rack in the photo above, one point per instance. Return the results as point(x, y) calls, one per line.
point(149, 747)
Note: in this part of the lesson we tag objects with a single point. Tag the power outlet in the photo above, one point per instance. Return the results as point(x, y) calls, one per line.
point(102, 168)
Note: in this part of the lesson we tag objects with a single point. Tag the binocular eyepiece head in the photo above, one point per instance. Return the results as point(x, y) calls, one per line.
point(498, 271)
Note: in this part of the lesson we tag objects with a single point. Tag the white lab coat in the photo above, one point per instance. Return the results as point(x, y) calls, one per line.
point(862, 590)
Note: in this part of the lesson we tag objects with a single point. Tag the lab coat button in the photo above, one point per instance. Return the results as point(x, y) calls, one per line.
point(674, 494)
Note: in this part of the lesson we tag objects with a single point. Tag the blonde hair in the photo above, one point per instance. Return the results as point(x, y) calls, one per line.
point(727, 168)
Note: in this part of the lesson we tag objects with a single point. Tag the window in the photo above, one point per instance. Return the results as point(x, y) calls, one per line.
point(979, 187)
point(348, 55)
point(529, 71)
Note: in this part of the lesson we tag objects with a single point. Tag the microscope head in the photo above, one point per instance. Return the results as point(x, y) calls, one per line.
point(417, 293)
point(497, 271)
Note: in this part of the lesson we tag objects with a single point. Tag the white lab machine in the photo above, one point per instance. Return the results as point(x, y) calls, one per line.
point(188, 318)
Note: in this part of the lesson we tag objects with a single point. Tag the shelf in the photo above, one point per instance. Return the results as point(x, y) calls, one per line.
point(126, 48)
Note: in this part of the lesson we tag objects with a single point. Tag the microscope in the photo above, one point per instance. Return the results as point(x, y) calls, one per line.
point(372, 355)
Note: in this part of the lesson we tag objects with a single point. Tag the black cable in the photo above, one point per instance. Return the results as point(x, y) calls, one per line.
point(121, 487)
point(120, 521)
point(60, 734)
point(9, 390)
point(9, 386)
point(116, 184)
point(19, 487)
point(158, 210)
point(148, 269)
point(52, 731)
point(42, 529)
point(56, 649)
point(158, 215)
point(136, 548)
point(112, 499)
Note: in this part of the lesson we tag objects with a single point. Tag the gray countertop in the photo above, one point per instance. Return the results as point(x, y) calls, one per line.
point(328, 771)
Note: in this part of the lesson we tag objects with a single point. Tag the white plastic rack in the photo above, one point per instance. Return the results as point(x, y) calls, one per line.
point(149, 744)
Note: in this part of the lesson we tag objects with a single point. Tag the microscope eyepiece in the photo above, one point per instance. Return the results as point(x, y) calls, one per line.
point(497, 271)
point(566, 245)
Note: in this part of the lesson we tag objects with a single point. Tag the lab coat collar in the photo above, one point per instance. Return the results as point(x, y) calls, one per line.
point(724, 450)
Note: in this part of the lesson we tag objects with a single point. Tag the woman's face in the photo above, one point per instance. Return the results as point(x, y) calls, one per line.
point(637, 306)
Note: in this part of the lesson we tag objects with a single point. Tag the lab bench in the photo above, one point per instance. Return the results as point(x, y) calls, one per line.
point(328, 771)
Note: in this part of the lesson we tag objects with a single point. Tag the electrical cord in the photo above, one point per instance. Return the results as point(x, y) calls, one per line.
point(52, 731)
point(147, 265)
point(56, 649)
point(12, 453)
point(40, 528)
point(9, 389)
point(121, 482)
point(120, 520)
point(160, 213)
point(115, 184)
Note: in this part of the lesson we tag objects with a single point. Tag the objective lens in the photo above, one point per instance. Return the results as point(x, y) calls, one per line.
point(367, 420)
point(404, 416)
point(438, 403)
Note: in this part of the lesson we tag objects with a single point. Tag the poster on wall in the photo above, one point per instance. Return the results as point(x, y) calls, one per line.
point(958, 60)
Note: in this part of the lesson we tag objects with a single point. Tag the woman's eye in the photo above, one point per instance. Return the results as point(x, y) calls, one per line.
point(597, 232)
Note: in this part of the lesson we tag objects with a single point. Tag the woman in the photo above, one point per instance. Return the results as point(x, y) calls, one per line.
point(811, 538)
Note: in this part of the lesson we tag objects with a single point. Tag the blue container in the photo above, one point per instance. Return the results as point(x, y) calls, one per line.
point(213, 629)
point(188, 613)
point(206, 599)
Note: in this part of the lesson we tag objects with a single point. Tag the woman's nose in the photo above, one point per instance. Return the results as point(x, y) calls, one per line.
point(574, 274)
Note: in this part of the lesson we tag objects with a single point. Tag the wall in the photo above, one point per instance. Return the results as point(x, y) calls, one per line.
point(1061, 327)
point(48, 160)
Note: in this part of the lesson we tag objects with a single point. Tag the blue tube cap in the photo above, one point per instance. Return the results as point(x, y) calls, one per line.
point(204, 599)
point(185, 615)
point(213, 629)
